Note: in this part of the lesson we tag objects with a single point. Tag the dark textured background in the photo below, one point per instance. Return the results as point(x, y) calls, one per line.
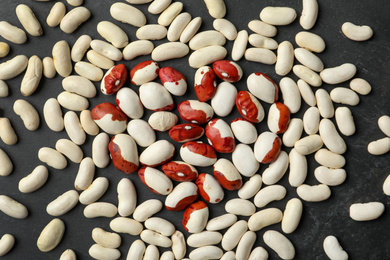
point(366, 173)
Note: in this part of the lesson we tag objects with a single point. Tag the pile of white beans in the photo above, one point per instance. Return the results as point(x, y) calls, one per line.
point(228, 236)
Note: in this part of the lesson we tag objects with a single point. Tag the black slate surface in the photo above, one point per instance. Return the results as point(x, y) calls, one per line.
point(366, 173)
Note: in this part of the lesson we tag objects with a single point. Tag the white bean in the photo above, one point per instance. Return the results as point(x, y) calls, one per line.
point(278, 15)
point(158, 6)
point(309, 59)
point(366, 211)
point(261, 41)
point(360, 86)
point(7, 242)
point(239, 45)
point(88, 70)
point(27, 113)
point(285, 58)
point(162, 121)
point(207, 38)
point(331, 138)
point(290, 93)
point(379, 147)
point(98, 252)
point(306, 74)
point(32, 76)
point(79, 85)
point(244, 160)
point(170, 50)
point(206, 55)
point(163, 148)
point(6, 164)
point(179, 246)
point(311, 120)
point(298, 168)
point(99, 60)
point(155, 238)
point(293, 132)
point(167, 255)
point(72, 101)
point(4, 91)
point(216, 8)
point(75, 2)
point(344, 96)
point(36, 179)
point(169, 14)
point(127, 14)
point(309, 14)
point(74, 18)
point(225, 27)
point(63, 204)
point(160, 225)
point(313, 193)
point(333, 249)
point(27, 18)
point(276, 169)
point(264, 218)
point(100, 150)
point(12, 208)
point(7, 132)
point(177, 26)
point(113, 34)
point(100, 209)
point(137, 48)
point(279, 243)
point(57, 12)
point(221, 222)
point(80, 47)
point(344, 120)
point(151, 32)
point(329, 159)
point(4, 49)
point(330, 177)
point(308, 144)
point(51, 235)
point(106, 239)
point(269, 194)
point(85, 174)
point(48, 69)
point(386, 186)
point(73, 128)
point(71, 150)
point(87, 123)
point(147, 209)
point(324, 103)
point(384, 124)
point(310, 41)
point(62, 59)
point(250, 187)
point(52, 157)
point(190, 30)
point(259, 253)
point(233, 235)
point(306, 93)
point(106, 49)
point(126, 225)
point(224, 99)
point(245, 245)
point(95, 191)
point(241, 207)
point(292, 215)
point(13, 67)
point(136, 250)
point(229, 255)
point(206, 252)
point(12, 33)
point(338, 74)
point(151, 253)
point(204, 238)
point(260, 55)
point(68, 254)
point(262, 28)
point(356, 32)
point(127, 197)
